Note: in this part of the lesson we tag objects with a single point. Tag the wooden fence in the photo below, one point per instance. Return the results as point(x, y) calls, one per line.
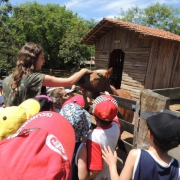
point(52, 72)
point(56, 72)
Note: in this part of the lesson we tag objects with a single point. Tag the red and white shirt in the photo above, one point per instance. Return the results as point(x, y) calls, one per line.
point(97, 139)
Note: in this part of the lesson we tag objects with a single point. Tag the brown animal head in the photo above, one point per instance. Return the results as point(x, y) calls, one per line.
point(96, 82)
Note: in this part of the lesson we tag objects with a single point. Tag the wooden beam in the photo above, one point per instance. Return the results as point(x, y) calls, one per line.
point(125, 103)
point(126, 126)
point(101, 26)
point(172, 93)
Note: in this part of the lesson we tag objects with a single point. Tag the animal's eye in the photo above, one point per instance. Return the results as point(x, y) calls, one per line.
point(99, 74)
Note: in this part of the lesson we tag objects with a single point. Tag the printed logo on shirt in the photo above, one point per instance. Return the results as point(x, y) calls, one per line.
point(54, 144)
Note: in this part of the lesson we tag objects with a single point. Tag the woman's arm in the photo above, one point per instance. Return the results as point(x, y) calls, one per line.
point(54, 81)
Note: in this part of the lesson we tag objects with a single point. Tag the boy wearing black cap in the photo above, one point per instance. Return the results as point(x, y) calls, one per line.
point(106, 134)
point(154, 163)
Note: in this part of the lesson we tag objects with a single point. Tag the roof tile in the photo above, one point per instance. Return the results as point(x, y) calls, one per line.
point(106, 24)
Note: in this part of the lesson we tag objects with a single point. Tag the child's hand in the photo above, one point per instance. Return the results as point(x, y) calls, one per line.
point(109, 157)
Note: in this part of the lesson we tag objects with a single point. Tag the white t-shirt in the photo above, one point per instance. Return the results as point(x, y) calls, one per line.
point(97, 139)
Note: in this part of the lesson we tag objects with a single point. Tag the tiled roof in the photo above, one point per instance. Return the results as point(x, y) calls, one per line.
point(107, 24)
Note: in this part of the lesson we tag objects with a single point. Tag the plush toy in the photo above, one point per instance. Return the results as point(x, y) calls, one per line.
point(11, 118)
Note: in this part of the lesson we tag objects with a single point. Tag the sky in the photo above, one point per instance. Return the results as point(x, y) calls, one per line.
point(97, 9)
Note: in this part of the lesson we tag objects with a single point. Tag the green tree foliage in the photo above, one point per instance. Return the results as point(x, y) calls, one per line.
point(157, 15)
point(70, 50)
point(7, 50)
point(56, 29)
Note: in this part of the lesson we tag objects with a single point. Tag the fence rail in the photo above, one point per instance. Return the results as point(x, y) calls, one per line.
point(51, 72)
point(56, 73)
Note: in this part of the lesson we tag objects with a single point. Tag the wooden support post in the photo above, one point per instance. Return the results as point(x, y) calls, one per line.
point(136, 121)
point(50, 72)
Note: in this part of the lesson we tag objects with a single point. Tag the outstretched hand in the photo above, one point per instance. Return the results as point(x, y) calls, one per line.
point(108, 156)
point(87, 71)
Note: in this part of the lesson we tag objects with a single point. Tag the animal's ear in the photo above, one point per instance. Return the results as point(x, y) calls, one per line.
point(109, 72)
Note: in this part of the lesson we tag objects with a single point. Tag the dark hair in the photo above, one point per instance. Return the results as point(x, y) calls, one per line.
point(165, 146)
point(102, 122)
point(26, 63)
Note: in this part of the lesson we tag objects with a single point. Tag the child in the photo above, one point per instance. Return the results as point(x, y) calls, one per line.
point(26, 83)
point(154, 163)
point(59, 96)
point(106, 134)
point(80, 119)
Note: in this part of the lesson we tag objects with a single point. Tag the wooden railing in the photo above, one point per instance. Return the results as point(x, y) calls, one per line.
point(56, 73)
point(52, 72)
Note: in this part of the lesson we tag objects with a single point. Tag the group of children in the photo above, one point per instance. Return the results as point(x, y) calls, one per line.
point(83, 153)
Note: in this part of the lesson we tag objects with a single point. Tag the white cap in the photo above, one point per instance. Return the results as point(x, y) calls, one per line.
point(48, 89)
point(69, 90)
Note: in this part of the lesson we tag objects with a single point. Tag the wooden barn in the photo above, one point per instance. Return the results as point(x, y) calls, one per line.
point(141, 57)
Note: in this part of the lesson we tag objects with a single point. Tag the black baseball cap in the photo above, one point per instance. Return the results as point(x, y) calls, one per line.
point(164, 125)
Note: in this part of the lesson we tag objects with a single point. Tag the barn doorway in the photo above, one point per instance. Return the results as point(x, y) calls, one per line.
point(116, 61)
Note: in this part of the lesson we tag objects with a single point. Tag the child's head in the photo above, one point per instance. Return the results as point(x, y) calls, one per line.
point(59, 96)
point(105, 109)
point(79, 118)
point(164, 127)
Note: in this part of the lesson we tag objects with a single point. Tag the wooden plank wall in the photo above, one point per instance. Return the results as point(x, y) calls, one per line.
point(134, 70)
point(102, 59)
point(164, 65)
point(136, 51)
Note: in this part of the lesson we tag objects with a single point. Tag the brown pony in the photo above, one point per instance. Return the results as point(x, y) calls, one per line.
point(99, 81)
